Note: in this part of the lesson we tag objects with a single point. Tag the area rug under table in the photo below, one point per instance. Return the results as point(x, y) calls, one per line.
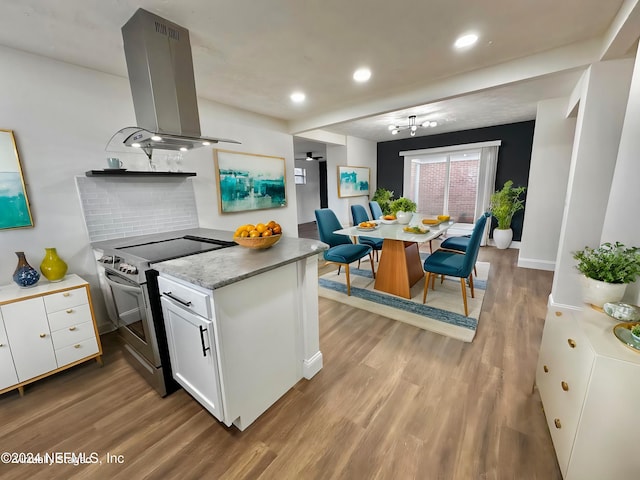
point(443, 313)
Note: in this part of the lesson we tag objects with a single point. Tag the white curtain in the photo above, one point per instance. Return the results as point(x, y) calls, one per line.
point(486, 183)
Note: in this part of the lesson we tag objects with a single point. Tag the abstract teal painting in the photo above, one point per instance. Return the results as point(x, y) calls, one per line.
point(249, 182)
point(14, 204)
point(353, 181)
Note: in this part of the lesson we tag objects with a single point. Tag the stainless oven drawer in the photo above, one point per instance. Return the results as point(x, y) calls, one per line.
point(190, 299)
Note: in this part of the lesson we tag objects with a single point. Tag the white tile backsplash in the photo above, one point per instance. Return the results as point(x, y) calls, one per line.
point(127, 207)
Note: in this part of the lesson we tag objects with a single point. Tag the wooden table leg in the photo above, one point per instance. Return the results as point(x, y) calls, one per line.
point(400, 267)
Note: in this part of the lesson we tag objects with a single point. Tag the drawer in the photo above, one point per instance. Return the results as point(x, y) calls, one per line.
point(186, 297)
point(67, 299)
point(73, 334)
point(77, 351)
point(69, 317)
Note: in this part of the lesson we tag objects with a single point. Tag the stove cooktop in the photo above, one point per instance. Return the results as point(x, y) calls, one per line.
point(174, 248)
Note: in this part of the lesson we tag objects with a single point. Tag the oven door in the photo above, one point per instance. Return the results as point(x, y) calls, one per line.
point(135, 322)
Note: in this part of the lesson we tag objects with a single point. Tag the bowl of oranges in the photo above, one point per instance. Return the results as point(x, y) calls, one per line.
point(261, 235)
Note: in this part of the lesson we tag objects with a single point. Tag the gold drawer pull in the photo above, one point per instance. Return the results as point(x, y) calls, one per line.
point(71, 329)
point(77, 345)
point(42, 335)
point(1, 344)
point(546, 369)
point(565, 386)
point(558, 314)
point(557, 423)
point(70, 310)
point(571, 342)
point(66, 294)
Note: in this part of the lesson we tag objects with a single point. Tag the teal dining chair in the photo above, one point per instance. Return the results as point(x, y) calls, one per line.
point(342, 250)
point(376, 211)
point(456, 264)
point(359, 215)
point(460, 244)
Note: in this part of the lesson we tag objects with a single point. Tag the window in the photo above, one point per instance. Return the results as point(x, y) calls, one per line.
point(456, 180)
point(300, 176)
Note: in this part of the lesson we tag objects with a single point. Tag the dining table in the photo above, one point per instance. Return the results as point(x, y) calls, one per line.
point(400, 266)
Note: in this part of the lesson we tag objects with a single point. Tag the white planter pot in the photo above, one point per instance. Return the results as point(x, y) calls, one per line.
point(502, 238)
point(404, 217)
point(598, 293)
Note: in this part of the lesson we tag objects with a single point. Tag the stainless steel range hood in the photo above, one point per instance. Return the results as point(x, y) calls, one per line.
point(160, 67)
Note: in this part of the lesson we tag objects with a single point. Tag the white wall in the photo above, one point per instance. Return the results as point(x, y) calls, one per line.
point(621, 221)
point(63, 116)
point(547, 188)
point(603, 101)
point(308, 194)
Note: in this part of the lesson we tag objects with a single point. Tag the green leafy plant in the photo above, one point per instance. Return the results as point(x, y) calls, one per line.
point(383, 197)
point(611, 263)
point(636, 330)
point(402, 204)
point(505, 203)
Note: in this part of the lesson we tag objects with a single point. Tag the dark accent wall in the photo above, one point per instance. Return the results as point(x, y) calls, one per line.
point(514, 157)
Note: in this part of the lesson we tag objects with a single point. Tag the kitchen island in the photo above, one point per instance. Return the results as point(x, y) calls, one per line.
point(242, 324)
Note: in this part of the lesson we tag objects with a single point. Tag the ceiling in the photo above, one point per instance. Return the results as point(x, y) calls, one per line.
point(252, 54)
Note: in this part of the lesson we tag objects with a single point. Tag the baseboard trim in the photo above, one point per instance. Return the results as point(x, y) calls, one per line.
point(312, 366)
point(515, 245)
point(536, 264)
point(553, 304)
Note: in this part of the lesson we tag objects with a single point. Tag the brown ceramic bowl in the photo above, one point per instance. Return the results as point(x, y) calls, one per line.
point(257, 242)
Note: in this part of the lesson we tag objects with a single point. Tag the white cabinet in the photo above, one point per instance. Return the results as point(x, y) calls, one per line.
point(588, 383)
point(8, 374)
point(193, 354)
point(29, 336)
point(237, 349)
point(45, 329)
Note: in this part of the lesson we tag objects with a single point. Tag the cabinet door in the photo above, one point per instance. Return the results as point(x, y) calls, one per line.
point(29, 337)
point(193, 355)
point(8, 375)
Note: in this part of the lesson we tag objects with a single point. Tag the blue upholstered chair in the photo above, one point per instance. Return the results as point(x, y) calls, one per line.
point(376, 211)
point(456, 264)
point(459, 244)
point(359, 215)
point(341, 250)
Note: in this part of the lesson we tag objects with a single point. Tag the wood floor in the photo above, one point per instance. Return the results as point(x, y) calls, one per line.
point(392, 402)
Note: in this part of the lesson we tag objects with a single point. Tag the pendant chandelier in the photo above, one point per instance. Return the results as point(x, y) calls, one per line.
point(413, 126)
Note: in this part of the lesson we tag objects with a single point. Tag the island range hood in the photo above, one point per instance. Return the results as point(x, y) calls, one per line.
point(160, 68)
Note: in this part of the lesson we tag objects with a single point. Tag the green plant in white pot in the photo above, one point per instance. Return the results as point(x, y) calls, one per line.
point(607, 270)
point(403, 209)
point(504, 204)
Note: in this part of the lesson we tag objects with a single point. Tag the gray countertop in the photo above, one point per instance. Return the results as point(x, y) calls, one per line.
point(218, 268)
point(222, 267)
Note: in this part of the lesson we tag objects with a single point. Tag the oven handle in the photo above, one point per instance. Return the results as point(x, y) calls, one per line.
point(126, 288)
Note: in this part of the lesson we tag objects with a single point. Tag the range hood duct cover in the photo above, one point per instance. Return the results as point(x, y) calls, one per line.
point(160, 68)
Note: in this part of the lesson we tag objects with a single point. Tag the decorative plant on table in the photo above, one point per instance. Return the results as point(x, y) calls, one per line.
point(504, 204)
point(383, 197)
point(607, 270)
point(403, 209)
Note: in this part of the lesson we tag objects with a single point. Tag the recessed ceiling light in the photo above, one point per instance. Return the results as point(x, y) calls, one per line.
point(205, 143)
point(466, 40)
point(136, 145)
point(298, 97)
point(156, 138)
point(183, 149)
point(362, 75)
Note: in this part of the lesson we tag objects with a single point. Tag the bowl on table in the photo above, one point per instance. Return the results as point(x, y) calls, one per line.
point(404, 217)
point(257, 242)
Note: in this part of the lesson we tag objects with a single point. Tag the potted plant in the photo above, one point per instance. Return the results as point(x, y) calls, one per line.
point(635, 332)
point(504, 204)
point(383, 197)
point(403, 209)
point(606, 271)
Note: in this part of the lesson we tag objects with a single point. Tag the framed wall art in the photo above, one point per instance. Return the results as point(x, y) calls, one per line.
point(248, 181)
point(353, 181)
point(14, 204)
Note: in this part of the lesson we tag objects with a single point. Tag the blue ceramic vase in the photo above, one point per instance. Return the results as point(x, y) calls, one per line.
point(25, 275)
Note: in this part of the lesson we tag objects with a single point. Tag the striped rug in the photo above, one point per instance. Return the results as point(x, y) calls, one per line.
point(443, 313)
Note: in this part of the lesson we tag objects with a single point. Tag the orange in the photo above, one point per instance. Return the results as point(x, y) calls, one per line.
point(277, 229)
point(267, 233)
point(248, 227)
point(254, 233)
point(271, 224)
point(261, 227)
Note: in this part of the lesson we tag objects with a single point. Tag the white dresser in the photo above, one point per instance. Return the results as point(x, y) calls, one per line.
point(45, 329)
point(589, 383)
